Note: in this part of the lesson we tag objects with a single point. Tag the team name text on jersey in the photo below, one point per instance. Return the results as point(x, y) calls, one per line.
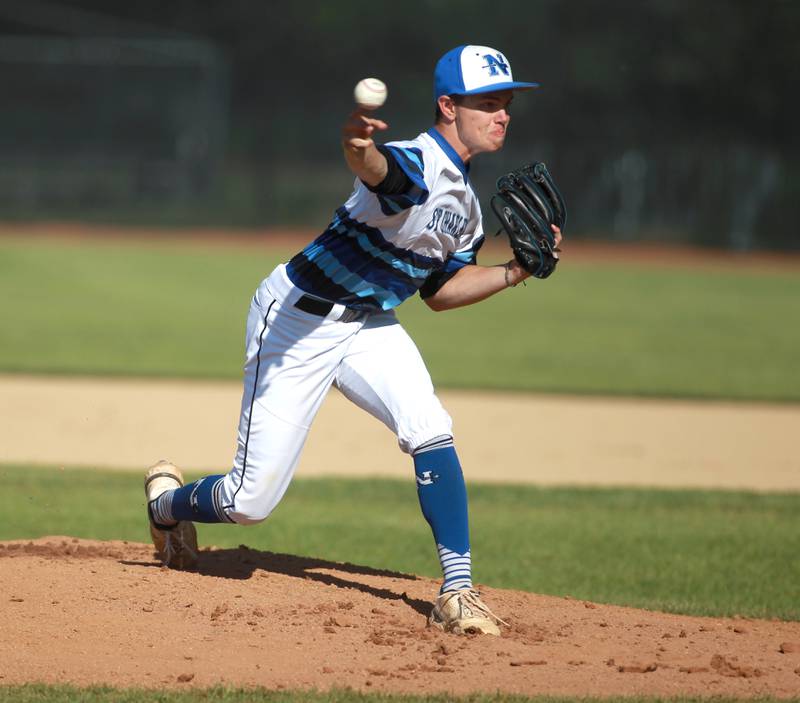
point(447, 222)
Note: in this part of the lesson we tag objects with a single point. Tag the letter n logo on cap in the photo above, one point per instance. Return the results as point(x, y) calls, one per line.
point(496, 64)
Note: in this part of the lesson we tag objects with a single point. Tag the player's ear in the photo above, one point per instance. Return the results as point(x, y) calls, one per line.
point(447, 108)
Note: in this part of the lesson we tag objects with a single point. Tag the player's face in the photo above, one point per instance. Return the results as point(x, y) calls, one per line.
point(482, 120)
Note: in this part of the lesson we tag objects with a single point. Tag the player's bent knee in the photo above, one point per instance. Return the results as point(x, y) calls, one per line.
point(251, 502)
point(252, 509)
point(247, 519)
point(249, 514)
point(438, 424)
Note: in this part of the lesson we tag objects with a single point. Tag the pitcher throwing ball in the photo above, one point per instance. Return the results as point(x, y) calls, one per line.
point(326, 317)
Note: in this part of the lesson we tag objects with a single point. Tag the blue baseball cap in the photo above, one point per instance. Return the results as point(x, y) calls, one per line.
point(470, 69)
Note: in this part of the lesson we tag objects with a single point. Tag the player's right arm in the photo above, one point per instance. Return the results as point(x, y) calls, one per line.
point(360, 152)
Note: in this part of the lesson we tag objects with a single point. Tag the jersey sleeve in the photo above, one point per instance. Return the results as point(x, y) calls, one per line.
point(464, 256)
point(409, 160)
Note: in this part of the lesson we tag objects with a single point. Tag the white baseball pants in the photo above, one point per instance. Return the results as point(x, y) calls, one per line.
point(292, 359)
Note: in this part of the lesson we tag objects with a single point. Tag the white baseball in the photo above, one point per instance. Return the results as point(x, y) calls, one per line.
point(370, 93)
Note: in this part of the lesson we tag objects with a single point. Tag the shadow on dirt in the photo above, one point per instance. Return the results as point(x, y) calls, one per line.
point(242, 562)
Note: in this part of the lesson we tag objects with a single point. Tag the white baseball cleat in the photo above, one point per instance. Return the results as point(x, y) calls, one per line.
point(464, 613)
point(177, 545)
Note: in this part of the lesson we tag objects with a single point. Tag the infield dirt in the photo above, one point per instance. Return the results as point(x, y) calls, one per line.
point(107, 613)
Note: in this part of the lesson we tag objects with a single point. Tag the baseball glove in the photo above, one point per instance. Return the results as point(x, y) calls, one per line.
point(527, 202)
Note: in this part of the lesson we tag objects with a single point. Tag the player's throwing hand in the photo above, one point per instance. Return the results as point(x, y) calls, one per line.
point(358, 130)
point(363, 158)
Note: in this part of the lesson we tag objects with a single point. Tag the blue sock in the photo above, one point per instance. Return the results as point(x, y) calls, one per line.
point(197, 502)
point(443, 499)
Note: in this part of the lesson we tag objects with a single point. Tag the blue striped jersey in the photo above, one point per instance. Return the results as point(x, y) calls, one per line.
point(381, 249)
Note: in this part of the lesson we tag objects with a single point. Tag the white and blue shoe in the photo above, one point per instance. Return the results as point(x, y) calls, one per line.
point(464, 613)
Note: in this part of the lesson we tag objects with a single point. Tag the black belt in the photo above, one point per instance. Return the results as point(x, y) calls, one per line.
point(315, 306)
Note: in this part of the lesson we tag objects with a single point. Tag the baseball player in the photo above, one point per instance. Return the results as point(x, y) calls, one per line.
point(326, 317)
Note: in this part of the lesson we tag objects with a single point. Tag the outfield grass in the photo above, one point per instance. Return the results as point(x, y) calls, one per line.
point(693, 552)
point(96, 694)
point(142, 309)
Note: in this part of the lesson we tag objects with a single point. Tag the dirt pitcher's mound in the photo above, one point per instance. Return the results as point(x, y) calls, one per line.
point(106, 613)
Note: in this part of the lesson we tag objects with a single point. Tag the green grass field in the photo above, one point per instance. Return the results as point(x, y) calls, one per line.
point(703, 553)
point(138, 309)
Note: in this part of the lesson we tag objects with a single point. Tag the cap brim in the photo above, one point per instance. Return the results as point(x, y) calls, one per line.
point(511, 85)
